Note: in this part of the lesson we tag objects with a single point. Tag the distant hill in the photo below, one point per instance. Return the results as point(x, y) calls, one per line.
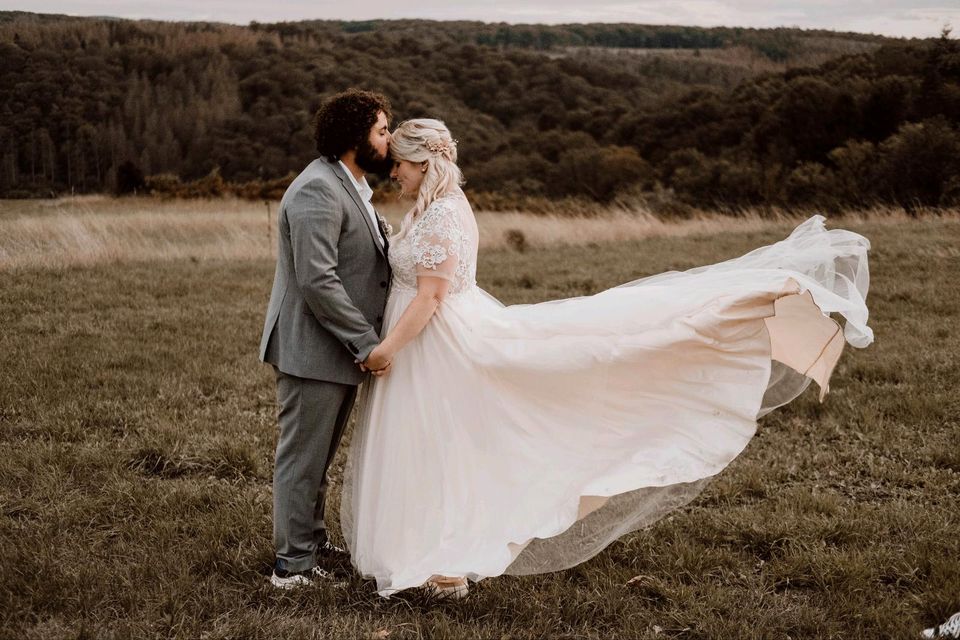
point(713, 117)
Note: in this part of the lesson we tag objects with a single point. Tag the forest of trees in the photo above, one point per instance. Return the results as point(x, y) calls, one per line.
point(706, 117)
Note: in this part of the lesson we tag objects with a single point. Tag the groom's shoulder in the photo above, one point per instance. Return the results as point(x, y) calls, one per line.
point(321, 170)
point(319, 175)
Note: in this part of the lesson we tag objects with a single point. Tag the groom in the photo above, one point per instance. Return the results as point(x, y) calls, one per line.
point(324, 319)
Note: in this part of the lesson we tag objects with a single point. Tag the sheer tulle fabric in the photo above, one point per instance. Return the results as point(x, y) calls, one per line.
point(525, 439)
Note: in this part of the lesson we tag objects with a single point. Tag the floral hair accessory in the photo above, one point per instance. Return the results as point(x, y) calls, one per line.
point(441, 147)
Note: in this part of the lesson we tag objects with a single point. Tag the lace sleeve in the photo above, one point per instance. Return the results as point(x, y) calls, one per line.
point(437, 240)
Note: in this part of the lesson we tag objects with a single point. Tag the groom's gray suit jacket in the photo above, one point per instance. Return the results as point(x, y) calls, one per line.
point(330, 287)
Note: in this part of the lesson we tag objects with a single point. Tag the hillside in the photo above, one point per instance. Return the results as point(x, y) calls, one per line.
point(711, 117)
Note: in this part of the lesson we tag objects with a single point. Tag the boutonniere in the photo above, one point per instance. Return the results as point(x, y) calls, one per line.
point(385, 227)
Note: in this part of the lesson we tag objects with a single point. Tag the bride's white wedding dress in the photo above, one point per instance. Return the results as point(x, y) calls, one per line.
point(526, 438)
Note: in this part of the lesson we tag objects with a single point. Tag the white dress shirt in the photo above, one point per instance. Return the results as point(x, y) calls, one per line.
point(365, 194)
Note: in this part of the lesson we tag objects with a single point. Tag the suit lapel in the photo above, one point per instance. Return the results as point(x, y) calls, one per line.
point(361, 209)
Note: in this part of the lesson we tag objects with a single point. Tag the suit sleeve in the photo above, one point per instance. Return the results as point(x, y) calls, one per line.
point(315, 216)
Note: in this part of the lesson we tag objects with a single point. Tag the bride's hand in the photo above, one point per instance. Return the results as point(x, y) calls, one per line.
point(378, 362)
point(382, 372)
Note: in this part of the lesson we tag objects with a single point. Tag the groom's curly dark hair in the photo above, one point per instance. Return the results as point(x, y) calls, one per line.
point(344, 121)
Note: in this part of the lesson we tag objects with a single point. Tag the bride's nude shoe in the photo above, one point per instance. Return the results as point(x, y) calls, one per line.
point(447, 588)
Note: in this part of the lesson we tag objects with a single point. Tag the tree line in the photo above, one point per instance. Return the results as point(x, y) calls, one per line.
point(713, 117)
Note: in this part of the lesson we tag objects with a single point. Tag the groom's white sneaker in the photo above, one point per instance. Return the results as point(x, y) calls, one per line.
point(949, 629)
point(292, 579)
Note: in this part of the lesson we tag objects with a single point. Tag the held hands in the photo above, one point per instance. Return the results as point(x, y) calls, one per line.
point(378, 362)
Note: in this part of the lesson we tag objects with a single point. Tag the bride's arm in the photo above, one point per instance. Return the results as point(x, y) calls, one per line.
point(430, 293)
point(436, 243)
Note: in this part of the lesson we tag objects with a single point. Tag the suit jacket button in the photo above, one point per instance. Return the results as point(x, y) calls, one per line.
point(383, 284)
point(379, 318)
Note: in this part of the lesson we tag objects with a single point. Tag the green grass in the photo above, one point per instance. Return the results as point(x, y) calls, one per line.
point(137, 432)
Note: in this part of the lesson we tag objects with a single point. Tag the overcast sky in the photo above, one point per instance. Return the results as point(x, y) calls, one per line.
point(910, 18)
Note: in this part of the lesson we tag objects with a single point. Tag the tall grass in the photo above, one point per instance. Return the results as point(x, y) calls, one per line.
point(96, 229)
point(91, 230)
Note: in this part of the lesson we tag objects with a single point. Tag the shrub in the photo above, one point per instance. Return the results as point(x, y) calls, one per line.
point(919, 161)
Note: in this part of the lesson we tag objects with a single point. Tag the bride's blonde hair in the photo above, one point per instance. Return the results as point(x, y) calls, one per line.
point(428, 140)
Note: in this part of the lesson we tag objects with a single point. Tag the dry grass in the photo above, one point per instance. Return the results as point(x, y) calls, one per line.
point(95, 229)
point(90, 230)
point(617, 225)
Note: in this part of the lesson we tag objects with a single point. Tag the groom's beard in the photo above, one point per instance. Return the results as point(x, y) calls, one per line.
point(370, 160)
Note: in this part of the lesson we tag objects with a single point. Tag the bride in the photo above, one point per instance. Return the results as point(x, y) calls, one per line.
point(524, 439)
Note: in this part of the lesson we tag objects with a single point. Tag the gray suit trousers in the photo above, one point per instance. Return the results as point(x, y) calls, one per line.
point(313, 415)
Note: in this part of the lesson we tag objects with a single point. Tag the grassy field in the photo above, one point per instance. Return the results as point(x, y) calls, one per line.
point(138, 428)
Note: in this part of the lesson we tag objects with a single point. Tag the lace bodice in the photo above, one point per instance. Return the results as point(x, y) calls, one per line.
point(441, 242)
